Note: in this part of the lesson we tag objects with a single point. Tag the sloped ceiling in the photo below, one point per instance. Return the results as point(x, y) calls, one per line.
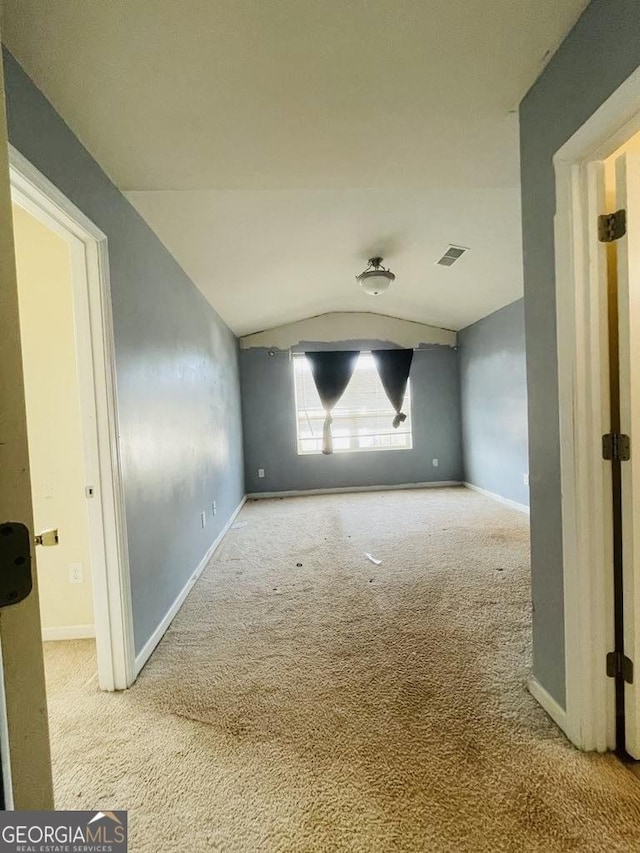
point(274, 145)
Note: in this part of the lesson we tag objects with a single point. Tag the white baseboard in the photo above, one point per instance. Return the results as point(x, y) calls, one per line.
point(440, 484)
point(506, 501)
point(553, 709)
point(69, 632)
point(154, 639)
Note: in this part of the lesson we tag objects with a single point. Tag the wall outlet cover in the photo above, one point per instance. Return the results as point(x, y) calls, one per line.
point(261, 472)
point(435, 463)
point(214, 508)
point(75, 573)
point(203, 519)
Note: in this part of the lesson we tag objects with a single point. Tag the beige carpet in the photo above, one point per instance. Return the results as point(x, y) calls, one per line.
point(339, 705)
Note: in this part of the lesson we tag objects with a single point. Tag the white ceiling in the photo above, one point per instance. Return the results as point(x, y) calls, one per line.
point(272, 257)
point(274, 145)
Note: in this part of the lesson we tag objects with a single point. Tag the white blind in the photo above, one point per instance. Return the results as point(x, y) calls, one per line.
point(362, 419)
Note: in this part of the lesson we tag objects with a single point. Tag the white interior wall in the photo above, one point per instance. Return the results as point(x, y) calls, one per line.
point(45, 293)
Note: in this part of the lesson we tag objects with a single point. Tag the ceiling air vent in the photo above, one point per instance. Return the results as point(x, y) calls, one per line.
point(452, 254)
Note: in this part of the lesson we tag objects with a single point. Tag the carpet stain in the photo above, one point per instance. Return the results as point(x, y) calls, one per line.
point(337, 706)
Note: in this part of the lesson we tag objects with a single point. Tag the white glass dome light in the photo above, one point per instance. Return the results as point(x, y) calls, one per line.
point(375, 279)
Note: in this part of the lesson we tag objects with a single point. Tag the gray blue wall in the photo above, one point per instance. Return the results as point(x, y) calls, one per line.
point(493, 388)
point(177, 370)
point(270, 428)
point(601, 51)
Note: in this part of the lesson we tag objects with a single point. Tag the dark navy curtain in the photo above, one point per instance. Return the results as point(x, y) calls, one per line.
point(331, 373)
point(393, 367)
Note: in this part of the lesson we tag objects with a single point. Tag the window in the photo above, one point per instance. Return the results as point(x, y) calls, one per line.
point(362, 419)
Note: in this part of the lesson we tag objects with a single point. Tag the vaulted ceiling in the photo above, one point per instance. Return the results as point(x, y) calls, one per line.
point(275, 145)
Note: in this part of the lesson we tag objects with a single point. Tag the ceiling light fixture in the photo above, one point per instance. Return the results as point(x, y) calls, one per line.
point(375, 279)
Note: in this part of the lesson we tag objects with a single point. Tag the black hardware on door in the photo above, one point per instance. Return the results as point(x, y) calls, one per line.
point(15, 562)
point(616, 448)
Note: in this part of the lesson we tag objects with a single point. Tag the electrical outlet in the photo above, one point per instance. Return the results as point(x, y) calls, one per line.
point(526, 479)
point(75, 573)
point(435, 463)
point(261, 473)
point(203, 518)
point(214, 508)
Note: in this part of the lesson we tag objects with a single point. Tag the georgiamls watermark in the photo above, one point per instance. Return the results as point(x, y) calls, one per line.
point(63, 832)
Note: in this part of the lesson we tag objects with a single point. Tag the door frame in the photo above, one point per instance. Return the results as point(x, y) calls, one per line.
point(583, 392)
point(93, 321)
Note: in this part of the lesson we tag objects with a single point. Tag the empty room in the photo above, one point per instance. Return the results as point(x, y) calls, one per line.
point(317, 425)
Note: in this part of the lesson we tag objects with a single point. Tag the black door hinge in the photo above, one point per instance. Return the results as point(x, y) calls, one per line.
point(616, 446)
point(620, 666)
point(612, 226)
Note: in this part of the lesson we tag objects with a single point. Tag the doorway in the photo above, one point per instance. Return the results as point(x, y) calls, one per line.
point(54, 422)
point(72, 423)
point(593, 286)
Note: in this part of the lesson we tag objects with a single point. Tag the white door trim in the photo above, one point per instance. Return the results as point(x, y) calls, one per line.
point(96, 373)
point(583, 400)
